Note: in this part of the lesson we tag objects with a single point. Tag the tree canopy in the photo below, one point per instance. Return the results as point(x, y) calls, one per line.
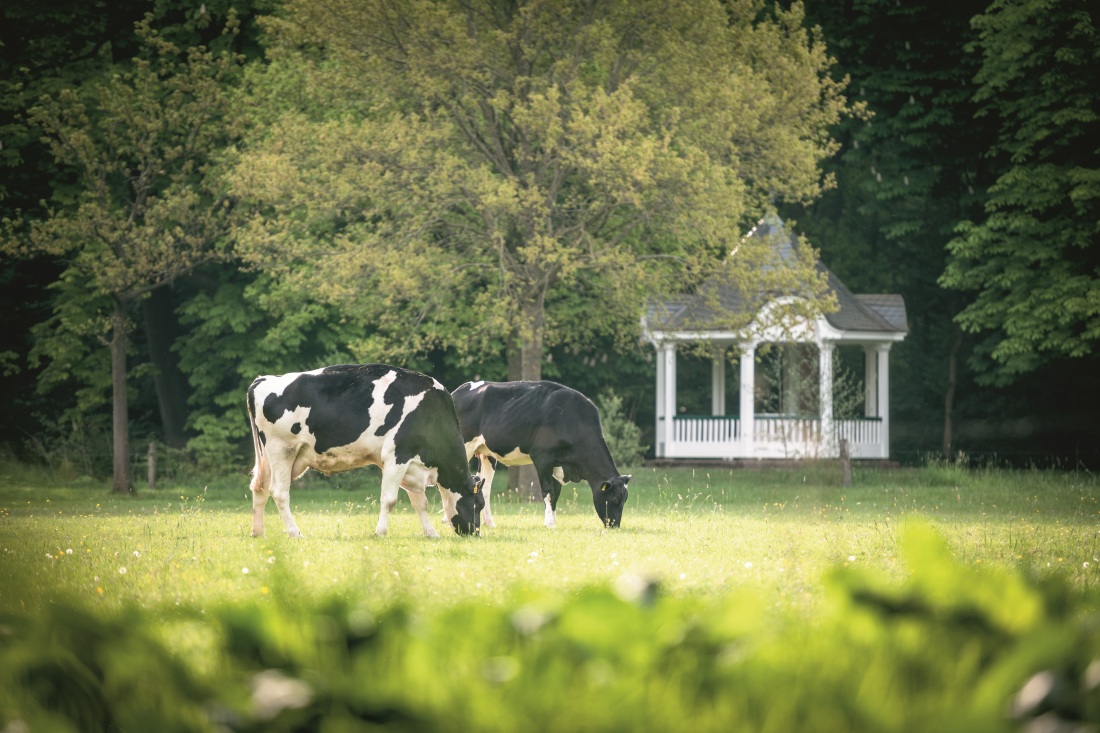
point(1032, 261)
point(141, 211)
point(524, 174)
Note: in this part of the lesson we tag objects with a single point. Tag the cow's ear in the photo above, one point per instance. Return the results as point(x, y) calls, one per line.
point(604, 485)
point(626, 479)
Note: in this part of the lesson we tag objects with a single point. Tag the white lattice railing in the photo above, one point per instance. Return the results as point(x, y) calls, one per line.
point(705, 436)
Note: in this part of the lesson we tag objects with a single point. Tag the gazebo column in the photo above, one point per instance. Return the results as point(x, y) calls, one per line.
point(825, 391)
point(748, 391)
point(718, 384)
point(870, 381)
point(666, 397)
point(882, 351)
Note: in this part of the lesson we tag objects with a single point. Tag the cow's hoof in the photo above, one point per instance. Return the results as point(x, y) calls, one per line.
point(257, 534)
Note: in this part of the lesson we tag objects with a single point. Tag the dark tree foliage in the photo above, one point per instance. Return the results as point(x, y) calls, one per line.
point(955, 101)
point(45, 48)
point(1031, 259)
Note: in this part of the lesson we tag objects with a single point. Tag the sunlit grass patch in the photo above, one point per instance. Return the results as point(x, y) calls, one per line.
point(699, 532)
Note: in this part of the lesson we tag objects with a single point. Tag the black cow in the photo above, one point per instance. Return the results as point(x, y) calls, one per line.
point(546, 424)
point(351, 415)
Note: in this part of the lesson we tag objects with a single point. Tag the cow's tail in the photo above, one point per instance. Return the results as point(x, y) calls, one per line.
point(261, 472)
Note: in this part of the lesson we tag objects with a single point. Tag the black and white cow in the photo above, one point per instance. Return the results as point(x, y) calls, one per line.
point(546, 424)
point(351, 415)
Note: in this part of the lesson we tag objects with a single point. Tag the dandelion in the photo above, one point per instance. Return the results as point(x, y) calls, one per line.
point(1085, 564)
point(137, 554)
point(851, 558)
point(265, 590)
point(69, 551)
point(244, 570)
point(99, 590)
point(748, 566)
point(122, 570)
point(271, 560)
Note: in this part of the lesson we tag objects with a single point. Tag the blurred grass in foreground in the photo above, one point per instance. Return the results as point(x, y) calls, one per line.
point(948, 647)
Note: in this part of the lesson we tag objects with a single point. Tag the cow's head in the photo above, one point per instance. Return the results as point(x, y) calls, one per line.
point(609, 499)
point(467, 517)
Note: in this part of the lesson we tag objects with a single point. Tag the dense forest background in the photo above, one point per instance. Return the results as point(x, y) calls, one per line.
point(967, 179)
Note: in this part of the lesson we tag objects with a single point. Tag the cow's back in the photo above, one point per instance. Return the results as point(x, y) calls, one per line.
point(523, 412)
point(345, 416)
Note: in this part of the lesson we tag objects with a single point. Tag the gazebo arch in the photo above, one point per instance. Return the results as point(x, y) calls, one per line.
point(872, 322)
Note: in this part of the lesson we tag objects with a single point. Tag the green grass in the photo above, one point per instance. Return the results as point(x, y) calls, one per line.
point(913, 600)
point(692, 531)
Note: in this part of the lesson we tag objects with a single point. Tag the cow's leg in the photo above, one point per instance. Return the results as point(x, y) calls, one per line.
point(550, 491)
point(392, 476)
point(280, 492)
point(450, 505)
point(419, 499)
point(486, 470)
point(260, 495)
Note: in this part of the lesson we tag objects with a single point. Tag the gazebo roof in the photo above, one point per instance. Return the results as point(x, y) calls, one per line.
point(883, 314)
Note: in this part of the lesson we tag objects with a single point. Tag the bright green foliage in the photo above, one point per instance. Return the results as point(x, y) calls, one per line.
point(1033, 261)
point(623, 437)
point(947, 648)
point(484, 167)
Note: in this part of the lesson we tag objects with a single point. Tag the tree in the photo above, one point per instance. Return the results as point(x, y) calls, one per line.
point(486, 166)
point(1032, 263)
point(138, 213)
point(907, 175)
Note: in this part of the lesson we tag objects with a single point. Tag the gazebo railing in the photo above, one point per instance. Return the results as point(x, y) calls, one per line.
point(774, 436)
point(706, 428)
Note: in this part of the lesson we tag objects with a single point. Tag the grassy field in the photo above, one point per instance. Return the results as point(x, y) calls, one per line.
point(700, 532)
point(766, 600)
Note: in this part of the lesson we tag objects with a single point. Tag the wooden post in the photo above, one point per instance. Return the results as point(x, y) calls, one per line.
point(845, 464)
point(152, 464)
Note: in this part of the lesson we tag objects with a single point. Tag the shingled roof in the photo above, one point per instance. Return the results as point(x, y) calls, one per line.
point(863, 313)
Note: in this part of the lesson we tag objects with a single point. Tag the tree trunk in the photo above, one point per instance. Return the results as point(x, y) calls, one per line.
point(845, 464)
point(121, 483)
point(167, 378)
point(949, 397)
point(525, 364)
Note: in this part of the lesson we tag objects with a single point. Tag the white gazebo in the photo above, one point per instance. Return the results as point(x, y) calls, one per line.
point(870, 322)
